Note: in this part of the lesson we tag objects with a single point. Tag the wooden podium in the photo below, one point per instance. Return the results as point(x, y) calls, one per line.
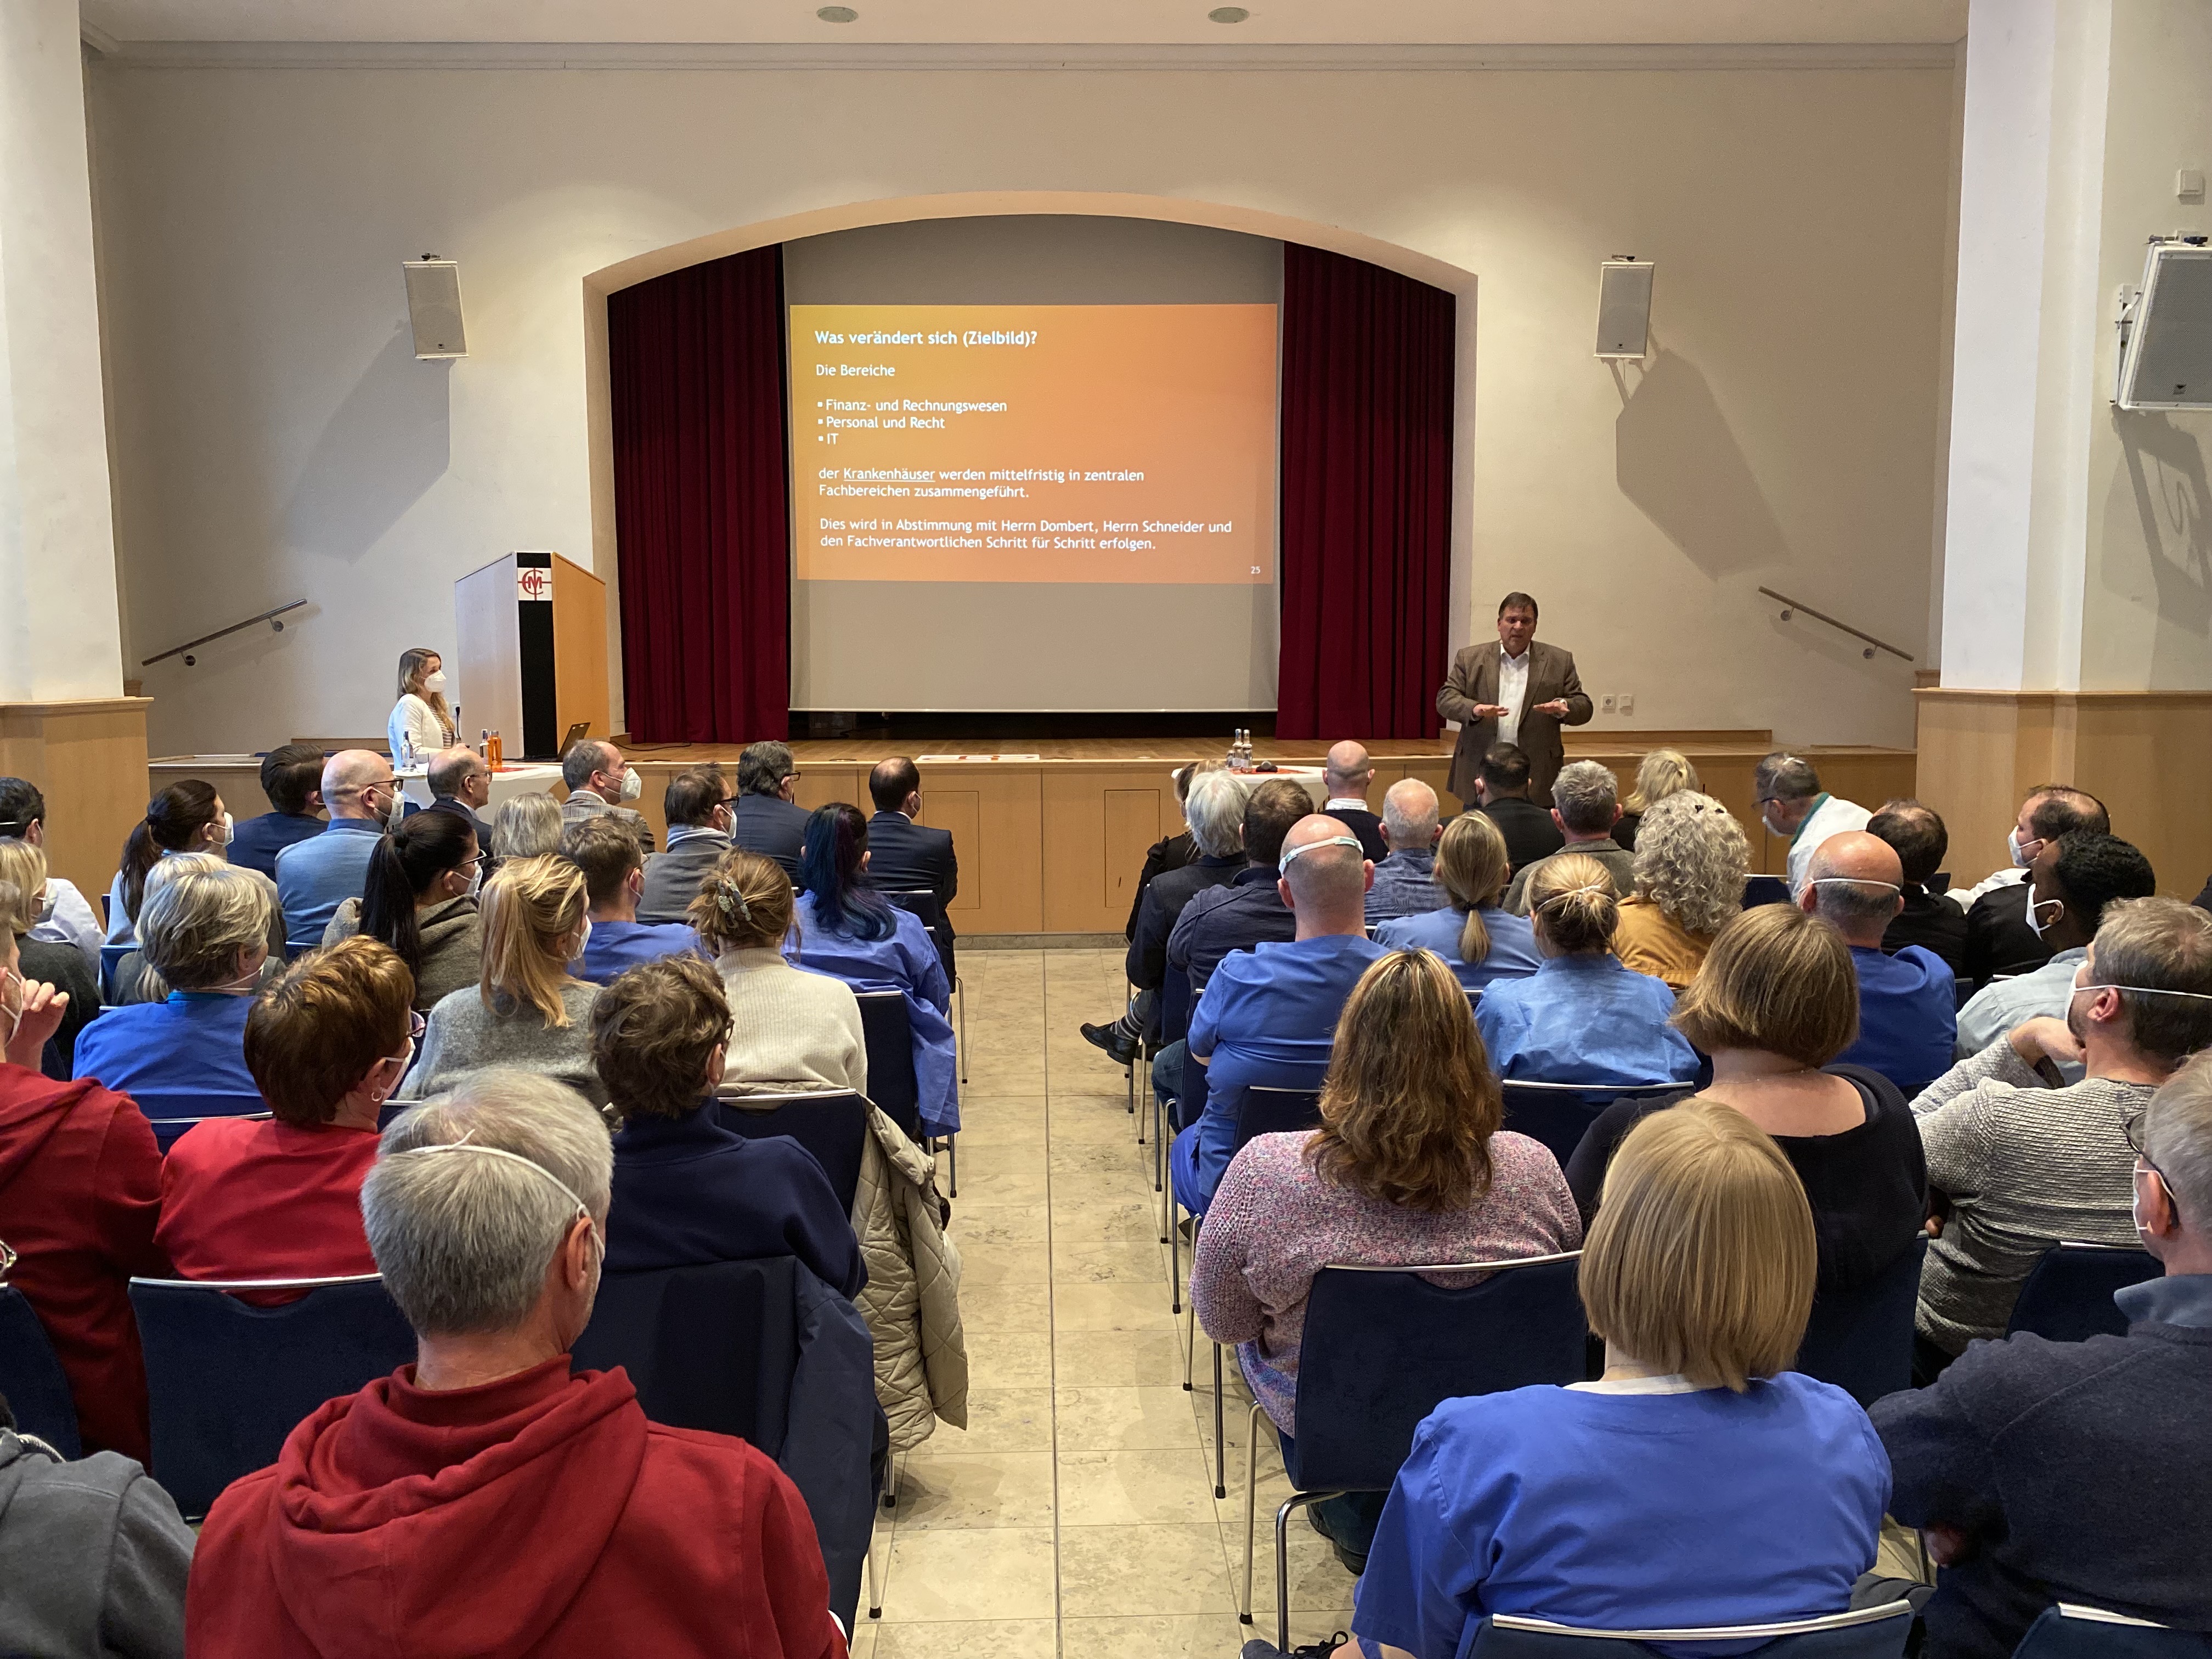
point(532, 629)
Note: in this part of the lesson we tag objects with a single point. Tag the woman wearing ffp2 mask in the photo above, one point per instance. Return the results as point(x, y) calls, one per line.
point(421, 723)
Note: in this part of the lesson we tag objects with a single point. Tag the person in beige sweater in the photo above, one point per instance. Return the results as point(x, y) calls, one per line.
point(789, 1029)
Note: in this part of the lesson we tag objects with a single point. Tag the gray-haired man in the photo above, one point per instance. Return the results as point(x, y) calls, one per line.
point(1405, 880)
point(1585, 804)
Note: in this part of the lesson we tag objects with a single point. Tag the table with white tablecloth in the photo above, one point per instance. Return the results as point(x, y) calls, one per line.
point(506, 783)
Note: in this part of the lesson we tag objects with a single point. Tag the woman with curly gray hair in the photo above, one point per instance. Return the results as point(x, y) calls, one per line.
point(1691, 861)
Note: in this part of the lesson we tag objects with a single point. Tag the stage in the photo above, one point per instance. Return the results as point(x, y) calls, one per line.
point(1051, 835)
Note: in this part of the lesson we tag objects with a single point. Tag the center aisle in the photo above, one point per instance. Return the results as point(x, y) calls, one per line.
point(1076, 1516)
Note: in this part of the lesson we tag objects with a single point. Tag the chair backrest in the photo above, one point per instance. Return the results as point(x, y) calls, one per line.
point(923, 905)
point(833, 1126)
point(111, 958)
point(156, 1104)
point(2068, 1295)
point(37, 1389)
point(168, 1130)
point(711, 1347)
point(228, 1380)
point(1384, 1347)
point(1876, 1632)
point(1175, 1004)
point(1862, 1340)
point(2069, 1631)
point(889, 1038)
point(1261, 1110)
point(1561, 1113)
point(1764, 890)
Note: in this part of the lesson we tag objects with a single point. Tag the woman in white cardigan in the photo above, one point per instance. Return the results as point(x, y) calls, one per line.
point(421, 723)
point(790, 1030)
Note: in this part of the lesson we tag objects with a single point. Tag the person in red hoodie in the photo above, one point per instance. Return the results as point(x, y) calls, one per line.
point(487, 1500)
point(80, 1196)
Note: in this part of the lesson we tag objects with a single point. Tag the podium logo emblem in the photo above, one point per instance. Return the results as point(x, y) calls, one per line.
point(533, 582)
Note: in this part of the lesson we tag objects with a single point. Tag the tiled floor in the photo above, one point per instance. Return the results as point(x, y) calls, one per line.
point(1076, 1514)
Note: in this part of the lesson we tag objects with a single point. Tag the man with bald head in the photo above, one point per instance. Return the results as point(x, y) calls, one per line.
point(1268, 1016)
point(316, 876)
point(1908, 1005)
point(1406, 881)
point(1347, 777)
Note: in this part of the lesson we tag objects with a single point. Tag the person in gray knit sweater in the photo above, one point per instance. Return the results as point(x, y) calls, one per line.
point(789, 1029)
point(2021, 1162)
point(527, 1013)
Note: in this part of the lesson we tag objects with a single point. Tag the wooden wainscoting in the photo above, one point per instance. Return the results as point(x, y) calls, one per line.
point(88, 759)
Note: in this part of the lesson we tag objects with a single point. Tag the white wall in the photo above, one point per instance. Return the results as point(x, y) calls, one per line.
point(275, 439)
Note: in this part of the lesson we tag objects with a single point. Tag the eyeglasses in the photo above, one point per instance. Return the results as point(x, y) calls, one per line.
point(2132, 1129)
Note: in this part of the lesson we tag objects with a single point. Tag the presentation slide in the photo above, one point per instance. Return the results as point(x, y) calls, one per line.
point(1034, 443)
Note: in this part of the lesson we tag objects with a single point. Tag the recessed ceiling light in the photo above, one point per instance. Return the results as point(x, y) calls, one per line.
point(838, 14)
point(1228, 14)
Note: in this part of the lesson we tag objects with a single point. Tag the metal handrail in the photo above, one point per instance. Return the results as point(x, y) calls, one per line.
point(265, 617)
point(1790, 605)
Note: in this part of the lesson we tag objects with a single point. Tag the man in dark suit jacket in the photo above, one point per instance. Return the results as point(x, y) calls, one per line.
point(698, 808)
point(1503, 790)
point(765, 819)
point(1347, 776)
point(1930, 920)
point(1514, 690)
point(905, 856)
point(460, 783)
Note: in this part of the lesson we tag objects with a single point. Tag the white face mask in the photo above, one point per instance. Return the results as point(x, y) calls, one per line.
point(435, 682)
point(229, 829)
point(2021, 857)
point(476, 879)
point(633, 785)
point(583, 940)
point(2035, 921)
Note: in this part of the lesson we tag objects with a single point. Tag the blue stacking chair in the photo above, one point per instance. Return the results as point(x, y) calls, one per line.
point(1521, 1325)
point(2068, 1631)
point(31, 1376)
point(922, 903)
point(171, 1114)
point(1561, 1113)
point(1175, 1026)
point(111, 958)
point(2068, 1295)
point(228, 1380)
point(167, 1130)
point(889, 1038)
point(832, 1125)
point(1764, 890)
point(1877, 1632)
point(1862, 1341)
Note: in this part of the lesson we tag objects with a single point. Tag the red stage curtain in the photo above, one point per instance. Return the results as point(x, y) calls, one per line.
point(702, 500)
point(1367, 484)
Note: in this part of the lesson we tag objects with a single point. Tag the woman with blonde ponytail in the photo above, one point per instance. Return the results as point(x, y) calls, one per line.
point(1479, 941)
point(1580, 1017)
point(790, 1030)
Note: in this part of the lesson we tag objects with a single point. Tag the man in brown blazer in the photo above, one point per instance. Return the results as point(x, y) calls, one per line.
point(1527, 690)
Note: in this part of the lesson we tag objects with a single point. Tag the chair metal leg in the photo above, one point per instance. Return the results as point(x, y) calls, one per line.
point(952, 1166)
point(960, 991)
point(876, 1597)
point(1251, 1503)
point(1220, 1448)
point(1175, 1263)
point(1189, 1347)
point(1296, 1500)
point(1129, 1076)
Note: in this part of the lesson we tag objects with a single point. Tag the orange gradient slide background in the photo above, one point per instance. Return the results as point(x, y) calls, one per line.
point(1184, 394)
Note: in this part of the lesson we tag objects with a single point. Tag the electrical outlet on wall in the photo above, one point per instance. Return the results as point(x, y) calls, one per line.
point(1605, 705)
point(1628, 704)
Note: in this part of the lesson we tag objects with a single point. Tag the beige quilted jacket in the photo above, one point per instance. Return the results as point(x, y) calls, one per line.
point(912, 1300)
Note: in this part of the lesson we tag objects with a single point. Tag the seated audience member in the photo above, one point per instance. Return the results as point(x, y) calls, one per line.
point(1662, 773)
point(789, 1029)
point(292, 778)
point(184, 818)
point(94, 1555)
point(1409, 1166)
point(689, 1190)
point(1793, 806)
point(1215, 813)
point(1931, 920)
point(600, 782)
point(849, 931)
point(2072, 881)
point(698, 806)
point(527, 1013)
point(279, 1197)
point(1531, 832)
point(206, 933)
point(614, 877)
point(2029, 1464)
point(66, 918)
point(316, 876)
point(1404, 881)
point(527, 827)
point(1346, 776)
point(135, 980)
point(486, 1213)
point(1999, 937)
point(420, 900)
point(1269, 1014)
point(1169, 852)
point(81, 1189)
point(1691, 859)
point(908, 857)
point(460, 783)
point(1584, 807)
point(2024, 1164)
point(1673, 1491)
point(23, 870)
point(766, 819)
point(1479, 941)
point(1580, 1017)
point(1776, 1002)
point(1908, 1003)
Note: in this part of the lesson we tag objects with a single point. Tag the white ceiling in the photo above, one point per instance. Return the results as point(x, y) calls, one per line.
point(1054, 22)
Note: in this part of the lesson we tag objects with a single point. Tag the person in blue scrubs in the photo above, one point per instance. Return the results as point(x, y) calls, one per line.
point(1908, 1002)
point(686, 1190)
point(1580, 1017)
point(206, 933)
point(1700, 1482)
point(849, 931)
point(614, 880)
point(1479, 940)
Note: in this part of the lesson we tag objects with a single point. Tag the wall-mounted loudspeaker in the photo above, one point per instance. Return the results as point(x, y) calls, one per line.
point(1624, 307)
point(2166, 328)
point(434, 307)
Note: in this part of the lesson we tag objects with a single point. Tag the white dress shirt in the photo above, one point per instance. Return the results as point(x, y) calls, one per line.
point(1512, 692)
point(1830, 816)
